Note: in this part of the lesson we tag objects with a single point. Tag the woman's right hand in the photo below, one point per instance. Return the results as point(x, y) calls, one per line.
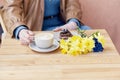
point(26, 36)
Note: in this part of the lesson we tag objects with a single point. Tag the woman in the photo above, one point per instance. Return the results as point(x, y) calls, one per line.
point(24, 16)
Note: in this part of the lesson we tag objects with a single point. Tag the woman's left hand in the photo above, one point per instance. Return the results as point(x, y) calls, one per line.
point(70, 26)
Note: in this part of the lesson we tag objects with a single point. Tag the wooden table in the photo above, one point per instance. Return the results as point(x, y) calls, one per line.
point(18, 62)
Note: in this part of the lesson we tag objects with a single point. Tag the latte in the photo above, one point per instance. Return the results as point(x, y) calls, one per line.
point(44, 40)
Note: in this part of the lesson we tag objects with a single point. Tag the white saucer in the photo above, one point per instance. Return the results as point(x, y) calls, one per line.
point(52, 48)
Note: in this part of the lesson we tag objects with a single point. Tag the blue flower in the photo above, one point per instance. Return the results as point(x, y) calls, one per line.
point(98, 46)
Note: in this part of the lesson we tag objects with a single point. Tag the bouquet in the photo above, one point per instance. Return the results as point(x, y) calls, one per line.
point(82, 43)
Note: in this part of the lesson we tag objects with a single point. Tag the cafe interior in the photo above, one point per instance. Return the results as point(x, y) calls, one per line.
point(98, 14)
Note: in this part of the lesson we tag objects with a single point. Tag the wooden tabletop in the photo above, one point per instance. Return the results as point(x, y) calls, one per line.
point(18, 62)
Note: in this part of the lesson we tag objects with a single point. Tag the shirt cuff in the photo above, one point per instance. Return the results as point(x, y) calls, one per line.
point(17, 30)
point(76, 21)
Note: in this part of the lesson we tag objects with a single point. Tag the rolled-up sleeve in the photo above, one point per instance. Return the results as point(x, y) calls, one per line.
point(17, 31)
point(76, 21)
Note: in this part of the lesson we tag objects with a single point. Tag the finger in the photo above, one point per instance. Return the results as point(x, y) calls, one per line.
point(58, 29)
point(24, 41)
point(25, 38)
point(31, 33)
point(28, 36)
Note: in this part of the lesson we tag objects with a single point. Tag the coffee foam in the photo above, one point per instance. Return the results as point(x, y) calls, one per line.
point(44, 36)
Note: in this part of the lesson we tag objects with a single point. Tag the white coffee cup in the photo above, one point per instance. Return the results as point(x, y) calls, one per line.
point(44, 40)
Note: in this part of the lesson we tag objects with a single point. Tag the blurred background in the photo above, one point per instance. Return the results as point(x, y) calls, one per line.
point(102, 14)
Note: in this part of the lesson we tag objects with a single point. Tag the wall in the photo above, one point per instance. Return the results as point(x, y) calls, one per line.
point(103, 14)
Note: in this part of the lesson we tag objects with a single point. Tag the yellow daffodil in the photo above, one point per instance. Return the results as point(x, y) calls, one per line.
point(89, 43)
point(77, 45)
point(63, 46)
point(74, 51)
point(101, 39)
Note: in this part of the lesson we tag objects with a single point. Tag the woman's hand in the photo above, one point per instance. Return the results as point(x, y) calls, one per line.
point(26, 36)
point(70, 26)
